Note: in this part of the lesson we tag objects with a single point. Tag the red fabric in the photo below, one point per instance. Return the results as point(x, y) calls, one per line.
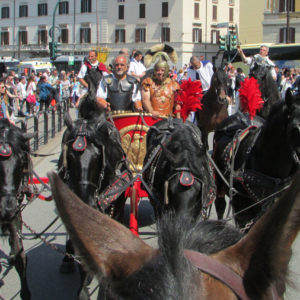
point(101, 66)
point(53, 102)
point(189, 97)
point(250, 97)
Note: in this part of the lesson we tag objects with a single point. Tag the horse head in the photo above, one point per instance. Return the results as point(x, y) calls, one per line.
point(183, 171)
point(134, 270)
point(220, 84)
point(83, 158)
point(14, 151)
point(267, 86)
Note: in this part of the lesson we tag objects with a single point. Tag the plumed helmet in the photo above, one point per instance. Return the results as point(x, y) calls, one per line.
point(159, 55)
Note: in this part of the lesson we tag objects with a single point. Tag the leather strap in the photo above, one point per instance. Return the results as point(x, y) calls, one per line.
point(219, 271)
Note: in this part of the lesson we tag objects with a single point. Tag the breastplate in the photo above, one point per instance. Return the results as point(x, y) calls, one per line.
point(119, 94)
point(162, 99)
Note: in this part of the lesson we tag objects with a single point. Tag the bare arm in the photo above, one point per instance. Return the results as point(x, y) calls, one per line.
point(146, 101)
point(83, 82)
point(242, 54)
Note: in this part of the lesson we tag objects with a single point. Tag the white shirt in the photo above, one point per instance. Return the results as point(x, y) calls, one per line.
point(82, 73)
point(205, 74)
point(250, 61)
point(136, 67)
point(102, 91)
point(21, 88)
point(31, 88)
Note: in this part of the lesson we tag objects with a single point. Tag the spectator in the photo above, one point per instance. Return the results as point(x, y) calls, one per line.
point(136, 67)
point(21, 89)
point(4, 102)
point(286, 82)
point(13, 97)
point(65, 87)
point(124, 51)
point(30, 95)
point(45, 89)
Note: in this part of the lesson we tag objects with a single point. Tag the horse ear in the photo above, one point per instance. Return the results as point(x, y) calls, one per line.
point(106, 247)
point(264, 253)
point(28, 136)
point(68, 121)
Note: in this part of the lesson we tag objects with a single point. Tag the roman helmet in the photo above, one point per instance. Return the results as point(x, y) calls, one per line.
point(159, 55)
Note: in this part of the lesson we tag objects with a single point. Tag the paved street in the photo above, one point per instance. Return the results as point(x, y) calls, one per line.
point(45, 281)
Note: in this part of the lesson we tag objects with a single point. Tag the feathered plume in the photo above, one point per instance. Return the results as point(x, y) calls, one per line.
point(250, 97)
point(189, 97)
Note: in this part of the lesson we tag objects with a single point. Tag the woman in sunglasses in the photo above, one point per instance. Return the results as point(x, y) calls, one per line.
point(4, 102)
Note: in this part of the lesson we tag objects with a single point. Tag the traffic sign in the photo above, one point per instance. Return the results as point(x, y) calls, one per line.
point(56, 32)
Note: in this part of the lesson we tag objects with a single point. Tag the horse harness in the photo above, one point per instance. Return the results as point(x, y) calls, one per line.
point(257, 185)
point(223, 273)
point(23, 189)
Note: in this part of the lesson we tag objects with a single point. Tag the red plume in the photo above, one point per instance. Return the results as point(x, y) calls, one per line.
point(189, 97)
point(250, 97)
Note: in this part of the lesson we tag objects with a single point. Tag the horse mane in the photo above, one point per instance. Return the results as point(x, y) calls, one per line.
point(171, 274)
point(14, 136)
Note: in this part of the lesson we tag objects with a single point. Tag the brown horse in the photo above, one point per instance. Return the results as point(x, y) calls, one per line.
point(253, 266)
point(214, 105)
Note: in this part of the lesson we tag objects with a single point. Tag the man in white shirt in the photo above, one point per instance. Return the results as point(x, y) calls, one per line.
point(260, 58)
point(201, 70)
point(136, 67)
point(94, 65)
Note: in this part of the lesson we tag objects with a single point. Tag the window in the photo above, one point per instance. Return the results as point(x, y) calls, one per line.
point(121, 12)
point(285, 5)
point(230, 14)
point(215, 34)
point(63, 8)
point(121, 0)
point(165, 34)
point(23, 37)
point(197, 35)
point(42, 9)
point(85, 35)
point(64, 36)
point(4, 38)
point(42, 36)
point(120, 36)
point(231, 2)
point(142, 11)
point(196, 10)
point(165, 9)
point(283, 35)
point(5, 12)
point(86, 6)
point(140, 35)
point(215, 13)
point(23, 11)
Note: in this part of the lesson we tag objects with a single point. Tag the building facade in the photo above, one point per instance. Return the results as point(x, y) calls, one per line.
point(251, 19)
point(192, 27)
point(281, 22)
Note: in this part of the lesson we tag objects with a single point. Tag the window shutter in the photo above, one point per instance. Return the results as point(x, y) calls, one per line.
point(116, 36)
point(281, 35)
point(281, 5)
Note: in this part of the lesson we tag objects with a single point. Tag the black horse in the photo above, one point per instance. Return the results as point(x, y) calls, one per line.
point(91, 160)
point(14, 164)
point(214, 105)
point(179, 173)
point(261, 160)
point(206, 260)
point(267, 86)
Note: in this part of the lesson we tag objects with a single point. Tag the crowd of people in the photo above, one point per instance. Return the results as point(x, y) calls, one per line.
point(127, 84)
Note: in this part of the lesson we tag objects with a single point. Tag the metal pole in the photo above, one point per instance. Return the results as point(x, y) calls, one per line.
point(53, 22)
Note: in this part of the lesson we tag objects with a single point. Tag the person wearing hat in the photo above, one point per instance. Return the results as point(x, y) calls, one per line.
point(158, 90)
point(119, 91)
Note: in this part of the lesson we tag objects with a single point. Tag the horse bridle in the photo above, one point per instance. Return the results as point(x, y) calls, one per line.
point(221, 272)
